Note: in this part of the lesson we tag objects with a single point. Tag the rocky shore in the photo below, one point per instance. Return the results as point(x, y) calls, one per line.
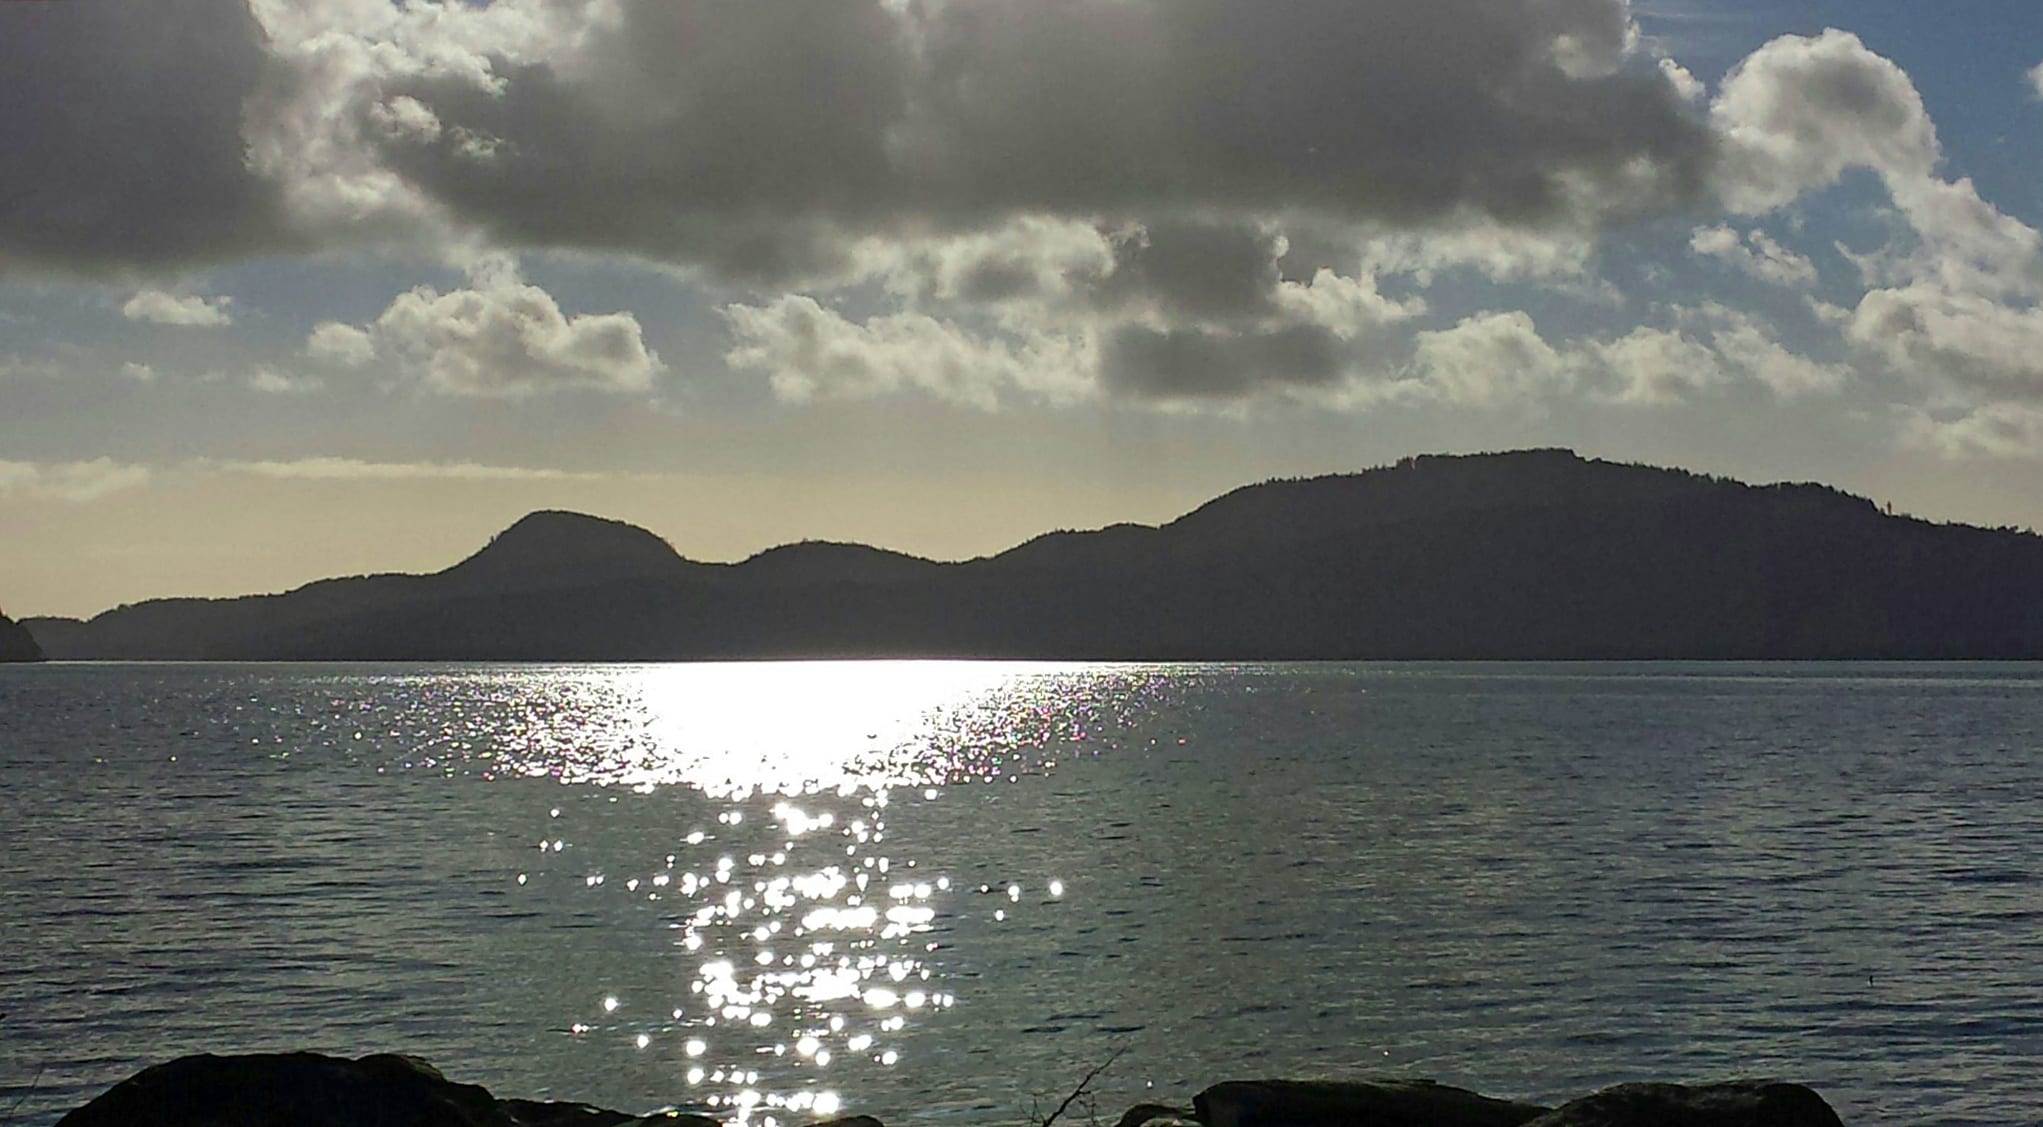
point(385, 1090)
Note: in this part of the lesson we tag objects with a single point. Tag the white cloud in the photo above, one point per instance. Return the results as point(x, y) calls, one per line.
point(272, 382)
point(1979, 345)
point(341, 344)
point(1748, 347)
point(1032, 258)
point(170, 309)
point(1799, 111)
point(1488, 359)
point(2035, 77)
point(503, 337)
point(1497, 251)
point(1345, 306)
point(70, 481)
point(1997, 430)
point(1756, 254)
point(140, 373)
point(1656, 366)
point(808, 352)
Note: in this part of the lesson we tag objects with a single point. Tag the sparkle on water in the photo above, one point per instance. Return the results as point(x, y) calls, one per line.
point(807, 938)
point(779, 892)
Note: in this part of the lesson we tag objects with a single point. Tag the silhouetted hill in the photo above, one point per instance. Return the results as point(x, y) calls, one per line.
point(551, 548)
point(16, 643)
point(1531, 554)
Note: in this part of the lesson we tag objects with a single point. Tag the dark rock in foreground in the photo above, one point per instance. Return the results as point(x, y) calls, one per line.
point(312, 1090)
point(16, 643)
point(1381, 1103)
point(1742, 1103)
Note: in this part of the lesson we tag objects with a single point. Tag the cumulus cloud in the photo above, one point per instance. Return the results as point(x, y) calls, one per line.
point(269, 381)
point(808, 353)
point(1971, 341)
point(70, 481)
point(1657, 366)
point(1954, 299)
point(2035, 77)
point(1997, 430)
point(1756, 254)
point(169, 309)
point(1748, 347)
point(1800, 111)
point(762, 140)
point(124, 137)
point(341, 344)
point(1489, 359)
point(501, 337)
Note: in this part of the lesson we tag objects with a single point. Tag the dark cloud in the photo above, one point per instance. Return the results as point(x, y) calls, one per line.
point(749, 137)
point(1194, 364)
point(755, 137)
point(122, 135)
point(762, 140)
point(1199, 271)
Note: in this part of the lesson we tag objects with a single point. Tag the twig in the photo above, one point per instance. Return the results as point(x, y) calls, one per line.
point(1083, 1086)
point(25, 1094)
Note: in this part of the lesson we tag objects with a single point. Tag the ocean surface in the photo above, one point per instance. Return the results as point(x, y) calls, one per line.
point(941, 892)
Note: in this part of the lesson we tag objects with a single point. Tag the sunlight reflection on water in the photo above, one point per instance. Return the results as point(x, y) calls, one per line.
point(807, 935)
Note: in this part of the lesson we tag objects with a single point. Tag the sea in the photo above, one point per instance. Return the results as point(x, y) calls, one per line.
point(948, 892)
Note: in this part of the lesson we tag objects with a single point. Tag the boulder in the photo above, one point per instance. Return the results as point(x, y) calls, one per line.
point(1163, 1114)
point(1367, 1103)
point(1738, 1103)
point(313, 1090)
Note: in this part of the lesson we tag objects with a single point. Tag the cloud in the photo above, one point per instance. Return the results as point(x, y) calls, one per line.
point(1954, 297)
point(1657, 366)
point(762, 140)
point(341, 344)
point(1748, 347)
point(124, 140)
point(501, 337)
point(2035, 77)
point(808, 353)
point(1799, 111)
point(140, 373)
point(272, 382)
point(1998, 430)
point(70, 481)
point(169, 309)
point(1977, 344)
point(1756, 254)
point(1489, 359)
point(1176, 365)
point(351, 469)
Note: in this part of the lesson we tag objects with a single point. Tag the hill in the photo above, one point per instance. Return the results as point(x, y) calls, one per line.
point(16, 643)
point(1530, 554)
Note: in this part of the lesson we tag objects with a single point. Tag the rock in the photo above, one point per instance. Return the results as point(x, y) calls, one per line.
point(1738, 1103)
point(852, 1121)
point(16, 643)
point(1155, 1113)
point(313, 1090)
point(1369, 1103)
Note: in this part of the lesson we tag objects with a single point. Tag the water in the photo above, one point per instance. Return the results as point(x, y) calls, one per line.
point(939, 893)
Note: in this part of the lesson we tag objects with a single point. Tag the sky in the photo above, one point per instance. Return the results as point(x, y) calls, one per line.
point(293, 289)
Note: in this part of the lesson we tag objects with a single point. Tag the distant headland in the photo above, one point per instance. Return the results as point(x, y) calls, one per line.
point(16, 643)
point(1534, 554)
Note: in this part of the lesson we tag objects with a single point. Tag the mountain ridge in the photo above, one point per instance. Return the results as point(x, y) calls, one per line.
point(1523, 554)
